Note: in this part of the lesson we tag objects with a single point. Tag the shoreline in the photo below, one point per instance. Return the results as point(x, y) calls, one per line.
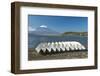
point(33, 55)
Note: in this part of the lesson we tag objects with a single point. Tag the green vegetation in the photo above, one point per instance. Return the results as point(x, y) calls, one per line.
point(76, 33)
point(68, 34)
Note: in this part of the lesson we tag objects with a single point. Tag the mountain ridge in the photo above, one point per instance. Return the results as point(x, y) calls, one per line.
point(44, 31)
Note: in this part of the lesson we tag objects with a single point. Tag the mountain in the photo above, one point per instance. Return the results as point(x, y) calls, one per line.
point(43, 30)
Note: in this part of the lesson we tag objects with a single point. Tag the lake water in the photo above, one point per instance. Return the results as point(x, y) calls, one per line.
point(34, 40)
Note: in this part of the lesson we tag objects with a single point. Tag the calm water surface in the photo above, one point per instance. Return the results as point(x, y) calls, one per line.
point(34, 40)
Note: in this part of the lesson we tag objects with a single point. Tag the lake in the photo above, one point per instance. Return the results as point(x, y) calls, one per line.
point(34, 40)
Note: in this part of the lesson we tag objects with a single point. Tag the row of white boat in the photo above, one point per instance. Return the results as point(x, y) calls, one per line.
point(60, 46)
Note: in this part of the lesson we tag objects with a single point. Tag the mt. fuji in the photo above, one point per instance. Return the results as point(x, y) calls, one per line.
point(43, 30)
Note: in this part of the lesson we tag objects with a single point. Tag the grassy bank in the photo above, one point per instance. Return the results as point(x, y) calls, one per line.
point(33, 55)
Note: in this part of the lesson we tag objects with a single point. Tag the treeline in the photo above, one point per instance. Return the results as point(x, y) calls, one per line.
point(76, 33)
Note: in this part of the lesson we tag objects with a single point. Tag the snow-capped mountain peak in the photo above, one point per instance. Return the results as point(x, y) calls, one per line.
point(43, 26)
point(43, 30)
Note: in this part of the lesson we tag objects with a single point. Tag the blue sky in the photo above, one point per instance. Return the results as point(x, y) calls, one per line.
point(59, 23)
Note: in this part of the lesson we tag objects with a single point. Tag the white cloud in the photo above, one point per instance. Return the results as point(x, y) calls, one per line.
point(43, 26)
point(31, 28)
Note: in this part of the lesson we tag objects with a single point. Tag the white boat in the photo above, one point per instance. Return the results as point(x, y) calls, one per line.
point(62, 46)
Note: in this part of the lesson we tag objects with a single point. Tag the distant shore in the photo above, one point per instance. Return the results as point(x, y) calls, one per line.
point(85, 34)
point(76, 33)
